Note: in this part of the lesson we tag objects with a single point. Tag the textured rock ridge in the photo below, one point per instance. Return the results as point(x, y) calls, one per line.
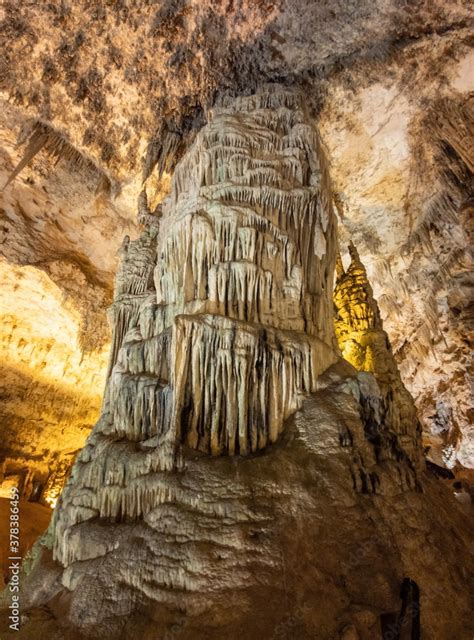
point(243, 480)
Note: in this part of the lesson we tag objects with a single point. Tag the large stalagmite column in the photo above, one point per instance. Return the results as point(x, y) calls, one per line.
point(242, 311)
point(222, 348)
point(243, 278)
point(364, 343)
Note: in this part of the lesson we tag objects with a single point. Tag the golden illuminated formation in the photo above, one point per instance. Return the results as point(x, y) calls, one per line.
point(357, 321)
point(364, 343)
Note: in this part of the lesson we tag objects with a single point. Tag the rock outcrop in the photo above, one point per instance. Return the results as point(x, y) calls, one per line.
point(244, 480)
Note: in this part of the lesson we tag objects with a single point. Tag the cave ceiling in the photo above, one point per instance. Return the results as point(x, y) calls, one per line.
point(99, 100)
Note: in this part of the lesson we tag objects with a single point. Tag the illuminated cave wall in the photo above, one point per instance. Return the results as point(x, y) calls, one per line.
point(51, 388)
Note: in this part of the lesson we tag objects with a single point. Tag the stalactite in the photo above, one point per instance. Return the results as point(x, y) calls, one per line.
point(241, 380)
point(55, 144)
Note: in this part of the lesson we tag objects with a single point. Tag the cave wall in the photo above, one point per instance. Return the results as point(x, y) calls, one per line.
point(403, 176)
point(59, 239)
point(51, 390)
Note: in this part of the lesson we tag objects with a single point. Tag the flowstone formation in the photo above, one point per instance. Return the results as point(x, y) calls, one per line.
point(243, 480)
point(223, 309)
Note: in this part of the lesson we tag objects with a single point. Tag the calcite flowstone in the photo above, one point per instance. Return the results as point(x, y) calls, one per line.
point(243, 480)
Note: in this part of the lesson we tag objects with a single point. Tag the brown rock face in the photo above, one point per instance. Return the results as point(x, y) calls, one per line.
point(243, 480)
